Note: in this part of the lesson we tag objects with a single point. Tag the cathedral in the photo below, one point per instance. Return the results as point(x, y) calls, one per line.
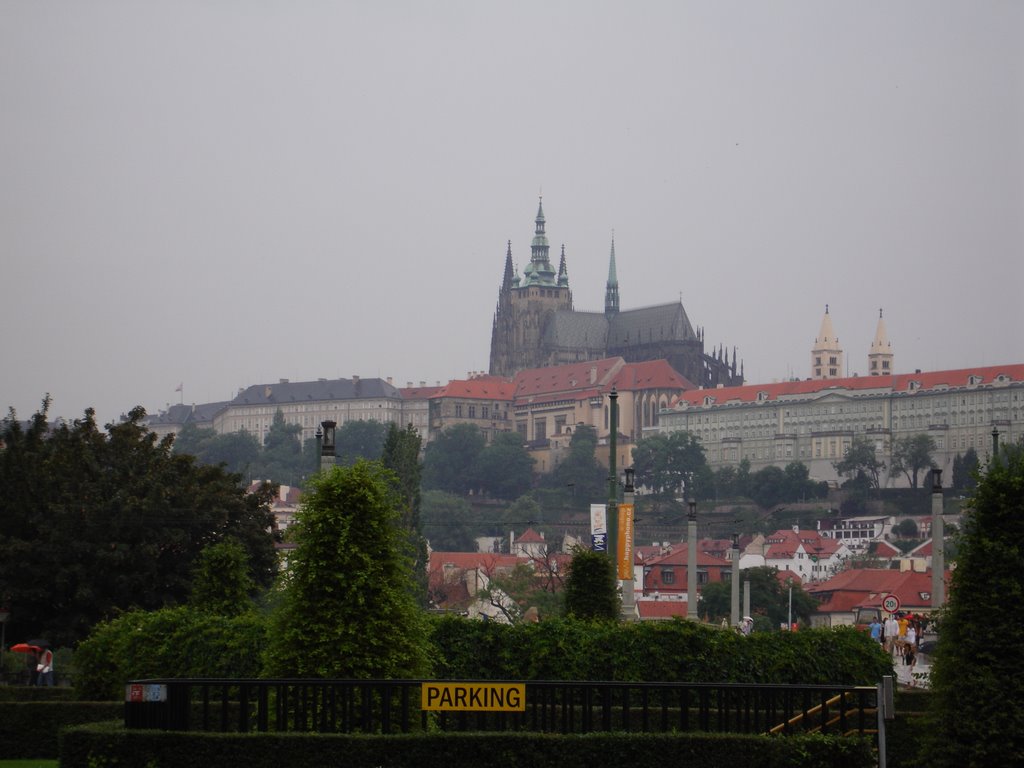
point(535, 325)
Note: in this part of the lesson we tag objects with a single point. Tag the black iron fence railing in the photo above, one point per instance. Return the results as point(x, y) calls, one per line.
point(401, 706)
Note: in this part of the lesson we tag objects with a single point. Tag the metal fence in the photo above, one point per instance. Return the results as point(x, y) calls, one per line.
point(395, 706)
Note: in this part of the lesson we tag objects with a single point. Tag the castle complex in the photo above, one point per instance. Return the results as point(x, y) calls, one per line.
point(535, 325)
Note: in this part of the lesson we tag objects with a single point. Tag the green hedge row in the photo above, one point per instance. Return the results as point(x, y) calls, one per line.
point(672, 651)
point(106, 745)
point(31, 729)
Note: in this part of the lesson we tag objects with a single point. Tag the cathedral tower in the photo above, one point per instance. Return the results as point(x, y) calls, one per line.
point(880, 357)
point(826, 354)
point(526, 306)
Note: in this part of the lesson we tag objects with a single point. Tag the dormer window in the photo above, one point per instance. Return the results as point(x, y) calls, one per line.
point(974, 380)
point(914, 386)
point(709, 400)
point(762, 397)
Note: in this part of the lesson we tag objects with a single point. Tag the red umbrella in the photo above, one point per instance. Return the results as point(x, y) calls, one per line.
point(25, 648)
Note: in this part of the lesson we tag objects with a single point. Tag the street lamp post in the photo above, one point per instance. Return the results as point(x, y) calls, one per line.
point(613, 480)
point(789, 617)
point(938, 547)
point(735, 602)
point(327, 447)
point(691, 561)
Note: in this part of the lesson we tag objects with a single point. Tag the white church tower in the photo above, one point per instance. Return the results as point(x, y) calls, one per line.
point(826, 355)
point(880, 355)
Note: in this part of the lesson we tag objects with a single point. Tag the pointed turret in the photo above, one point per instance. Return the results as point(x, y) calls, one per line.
point(563, 272)
point(611, 291)
point(880, 356)
point(510, 273)
point(826, 354)
point(540, 271)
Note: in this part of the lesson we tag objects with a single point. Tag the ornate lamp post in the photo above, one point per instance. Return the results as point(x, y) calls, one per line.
point(327, 446)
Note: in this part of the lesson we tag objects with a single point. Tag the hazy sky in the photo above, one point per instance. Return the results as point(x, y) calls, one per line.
point(225, 193)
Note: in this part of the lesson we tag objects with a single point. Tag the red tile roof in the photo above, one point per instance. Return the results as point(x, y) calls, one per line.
point(653, 374)
point(530, 536)
point(418, 393)
point(896, 383)
point(784, 544)
point(661, 609)
point(574, 378)
point(866, 586)
point(494, 388)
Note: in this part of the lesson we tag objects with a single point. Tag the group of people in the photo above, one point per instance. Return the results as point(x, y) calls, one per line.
point(900, 636)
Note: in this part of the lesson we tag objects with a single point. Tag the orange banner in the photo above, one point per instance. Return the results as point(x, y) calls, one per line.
point(624, 545)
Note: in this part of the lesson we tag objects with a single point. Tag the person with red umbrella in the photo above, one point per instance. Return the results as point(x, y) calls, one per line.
point(31, 660)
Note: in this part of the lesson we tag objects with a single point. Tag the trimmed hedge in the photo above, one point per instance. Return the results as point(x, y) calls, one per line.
point(30, 729)
point(106, 745)
point(671, 651)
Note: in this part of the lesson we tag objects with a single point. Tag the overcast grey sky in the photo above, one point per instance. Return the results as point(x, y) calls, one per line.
point(226, 193)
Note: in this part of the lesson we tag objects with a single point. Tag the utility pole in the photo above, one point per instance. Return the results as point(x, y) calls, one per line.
point(938, 547)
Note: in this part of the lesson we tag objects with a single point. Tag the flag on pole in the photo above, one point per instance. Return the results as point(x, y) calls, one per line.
point(180, 387)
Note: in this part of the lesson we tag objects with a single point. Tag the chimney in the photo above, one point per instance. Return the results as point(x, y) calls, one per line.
point(593, 374)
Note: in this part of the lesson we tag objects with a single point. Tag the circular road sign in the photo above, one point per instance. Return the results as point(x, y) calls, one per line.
point(890, 603)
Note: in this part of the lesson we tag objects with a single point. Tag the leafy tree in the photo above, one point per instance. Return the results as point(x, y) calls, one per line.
point(591, 589)
point(356, 440)
point(524, 512)
point(769, 599)
point(715, 601)
point(347, 607)
point(581, 471)
point(726, 482)
point(524, 588)
point(221, 582)
point(906, 528)
point(238, 452)
point(504, 468)
point(860, 459)
point(911, 454)
point(768, 486)
point(977, 672)
point(448, 522)
point(401, 454)
point(93, 522)
point(281, 459)
point(664, 461)
point(799, 485)
point(449, 459)
point(964, 470)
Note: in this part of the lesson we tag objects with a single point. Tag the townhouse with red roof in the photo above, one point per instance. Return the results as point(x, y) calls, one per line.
point(806, 553)
point(840, 597)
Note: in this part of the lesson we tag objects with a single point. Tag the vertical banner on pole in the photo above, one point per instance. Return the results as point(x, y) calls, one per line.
point(625, 543)
point(598, 528)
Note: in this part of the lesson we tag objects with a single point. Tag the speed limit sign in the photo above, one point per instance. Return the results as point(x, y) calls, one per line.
point(890, 603)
